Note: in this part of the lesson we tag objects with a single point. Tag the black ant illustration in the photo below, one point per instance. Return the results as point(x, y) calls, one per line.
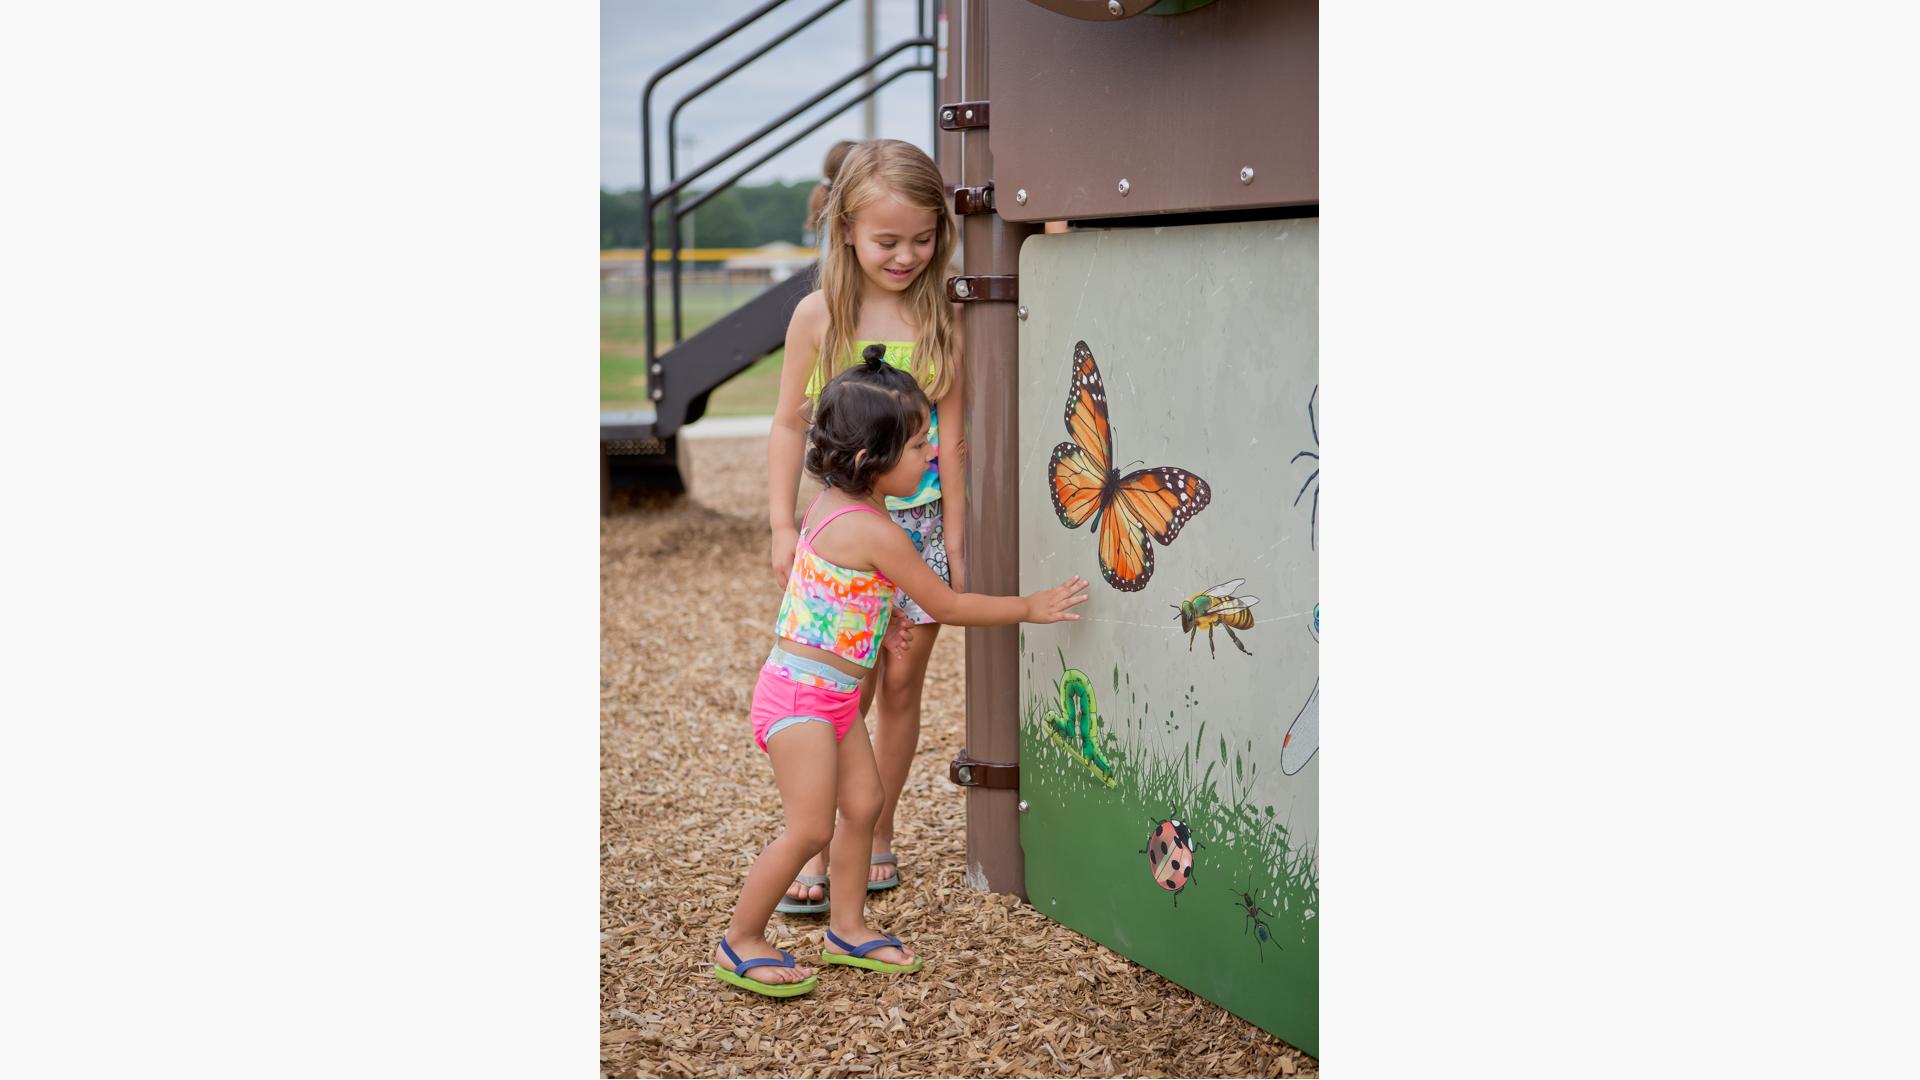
point(1313, 422)
point(1261, 935)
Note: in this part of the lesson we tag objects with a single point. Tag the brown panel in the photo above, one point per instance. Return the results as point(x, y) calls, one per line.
point(1175, 105)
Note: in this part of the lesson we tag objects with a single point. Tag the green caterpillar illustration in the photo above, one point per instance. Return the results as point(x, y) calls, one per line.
point(1075, 725)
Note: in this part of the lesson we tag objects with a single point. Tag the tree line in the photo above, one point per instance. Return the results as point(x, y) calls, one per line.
point(740, 216)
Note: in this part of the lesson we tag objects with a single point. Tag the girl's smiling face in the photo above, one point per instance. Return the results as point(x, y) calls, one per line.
point(893, 241)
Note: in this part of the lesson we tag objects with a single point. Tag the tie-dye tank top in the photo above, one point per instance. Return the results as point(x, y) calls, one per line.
point(900, 355)
point(830, 607)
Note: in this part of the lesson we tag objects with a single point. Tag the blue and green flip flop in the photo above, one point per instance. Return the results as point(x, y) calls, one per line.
point(856, 955)
point(738, 976)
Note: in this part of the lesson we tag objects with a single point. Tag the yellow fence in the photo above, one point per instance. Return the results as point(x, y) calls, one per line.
point(686, 254)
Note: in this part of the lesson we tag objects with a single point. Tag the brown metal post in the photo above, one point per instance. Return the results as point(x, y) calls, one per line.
point(991, 246)
point(946, 75)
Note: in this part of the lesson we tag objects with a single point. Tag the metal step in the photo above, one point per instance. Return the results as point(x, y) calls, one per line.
point(641, 448)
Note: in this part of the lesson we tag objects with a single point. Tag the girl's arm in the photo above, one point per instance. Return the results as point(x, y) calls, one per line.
point(787, 442)
point(953, 469)
point(893, 555)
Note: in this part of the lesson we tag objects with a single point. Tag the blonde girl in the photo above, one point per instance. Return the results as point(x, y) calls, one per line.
point(887, 238)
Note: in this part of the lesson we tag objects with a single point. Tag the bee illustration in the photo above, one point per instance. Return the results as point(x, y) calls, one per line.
point(1255, 915)
point(1217, 607)
point(1169, 853)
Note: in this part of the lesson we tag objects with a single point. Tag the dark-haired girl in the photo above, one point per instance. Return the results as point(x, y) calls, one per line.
point(869, 441)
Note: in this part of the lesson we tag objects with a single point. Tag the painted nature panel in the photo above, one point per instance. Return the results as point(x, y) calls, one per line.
point(1169, 452)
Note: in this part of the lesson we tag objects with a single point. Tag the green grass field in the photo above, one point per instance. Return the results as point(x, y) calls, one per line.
point(623, 364)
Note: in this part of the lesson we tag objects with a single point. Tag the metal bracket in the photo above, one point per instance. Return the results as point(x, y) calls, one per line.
point(973, 200)
point(970, 287)
point(968, 771)
point(962, 115)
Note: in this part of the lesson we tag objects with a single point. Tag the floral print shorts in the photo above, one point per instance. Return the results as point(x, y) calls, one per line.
point(923, 526)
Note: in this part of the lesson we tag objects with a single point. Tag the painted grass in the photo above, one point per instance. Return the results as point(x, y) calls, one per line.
point(1161, 771)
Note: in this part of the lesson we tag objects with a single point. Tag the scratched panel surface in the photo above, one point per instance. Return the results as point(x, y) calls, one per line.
point(1169, 740)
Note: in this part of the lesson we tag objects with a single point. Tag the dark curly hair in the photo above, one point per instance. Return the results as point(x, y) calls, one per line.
point(871, 406)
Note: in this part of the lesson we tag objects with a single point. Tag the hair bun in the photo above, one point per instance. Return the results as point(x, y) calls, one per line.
point(875, 356)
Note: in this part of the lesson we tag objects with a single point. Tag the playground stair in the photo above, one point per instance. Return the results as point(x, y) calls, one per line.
point(642, 448)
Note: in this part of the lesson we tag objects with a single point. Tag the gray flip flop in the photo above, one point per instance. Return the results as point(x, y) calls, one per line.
point(882, 886)
point(804, 907)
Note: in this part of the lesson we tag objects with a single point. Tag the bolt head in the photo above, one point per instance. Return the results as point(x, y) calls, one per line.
point(1022, 312)
point(946, 114)
point(658, 393)
point(961, 288)
point(1246, 174)
point(1113, 7)
point(1020, 196)
point(1023, 806)
point(1125, 187)
point(969, 114)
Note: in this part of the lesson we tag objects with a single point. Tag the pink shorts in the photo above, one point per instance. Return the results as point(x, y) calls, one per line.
point(782, 694)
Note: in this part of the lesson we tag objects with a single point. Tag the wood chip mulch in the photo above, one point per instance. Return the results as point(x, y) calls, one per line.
point(687, 602)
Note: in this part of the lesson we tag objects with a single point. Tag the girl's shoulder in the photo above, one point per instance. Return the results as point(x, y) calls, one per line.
point(865, 525)
point(811, 312)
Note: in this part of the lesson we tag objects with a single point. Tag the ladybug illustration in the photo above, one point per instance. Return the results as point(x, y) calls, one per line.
point(1169, 853)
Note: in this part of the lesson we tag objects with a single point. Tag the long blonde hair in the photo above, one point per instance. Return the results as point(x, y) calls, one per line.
point(871, 171)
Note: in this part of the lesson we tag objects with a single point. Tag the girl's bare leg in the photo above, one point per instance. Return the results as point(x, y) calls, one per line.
point(817, 865)
point(896, 734)
point(860, 797)
point(804, 765)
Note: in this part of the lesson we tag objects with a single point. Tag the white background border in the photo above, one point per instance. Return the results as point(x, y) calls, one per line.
point(301, 628)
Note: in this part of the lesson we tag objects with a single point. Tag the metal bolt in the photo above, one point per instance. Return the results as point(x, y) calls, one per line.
point(1020, 196)
point(1113, 7)
point(961, 288)
point(946, 114)
point(966, 774)
point(1125, 187)
point(1022, 312)
point(1246, 174)
point(658, 393)
point(969, 114)
point(1022, 806)
point(655, 368)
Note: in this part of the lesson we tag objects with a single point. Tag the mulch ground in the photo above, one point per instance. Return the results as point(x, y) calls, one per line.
point(687, 802)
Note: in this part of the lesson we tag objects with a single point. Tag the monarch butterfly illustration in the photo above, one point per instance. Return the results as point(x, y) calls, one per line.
point(1126, 510)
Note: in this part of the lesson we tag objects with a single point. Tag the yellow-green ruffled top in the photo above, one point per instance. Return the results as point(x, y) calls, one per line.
point(900, 355)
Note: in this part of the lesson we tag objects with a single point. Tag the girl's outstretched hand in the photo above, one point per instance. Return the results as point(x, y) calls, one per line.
point(1050, 605)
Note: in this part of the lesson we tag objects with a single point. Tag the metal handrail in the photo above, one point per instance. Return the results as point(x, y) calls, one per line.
point(673, 127)
point(677, 186)
point(646, 140)
point(651, 200)
point(803, 133)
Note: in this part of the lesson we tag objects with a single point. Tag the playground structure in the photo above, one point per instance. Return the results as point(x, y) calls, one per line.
point(1180, 139)
point(642, 448)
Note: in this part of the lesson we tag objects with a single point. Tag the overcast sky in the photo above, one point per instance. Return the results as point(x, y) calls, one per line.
point(639, 36)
